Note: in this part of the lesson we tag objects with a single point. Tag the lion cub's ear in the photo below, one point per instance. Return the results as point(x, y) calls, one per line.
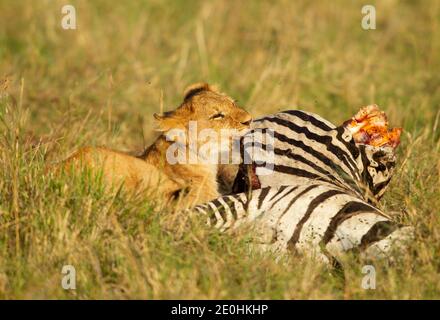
point(166, 121)
point(196, 88)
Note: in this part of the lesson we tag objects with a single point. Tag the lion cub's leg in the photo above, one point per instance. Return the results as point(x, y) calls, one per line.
point(203, 186)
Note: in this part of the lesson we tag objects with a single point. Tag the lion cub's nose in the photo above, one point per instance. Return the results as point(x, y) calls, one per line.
point(247, 121)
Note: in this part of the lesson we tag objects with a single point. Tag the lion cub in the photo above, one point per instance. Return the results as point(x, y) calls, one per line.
point(156, 169)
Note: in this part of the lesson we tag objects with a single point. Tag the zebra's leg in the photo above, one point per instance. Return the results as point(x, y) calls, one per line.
point(383, 247)
point(370, 236)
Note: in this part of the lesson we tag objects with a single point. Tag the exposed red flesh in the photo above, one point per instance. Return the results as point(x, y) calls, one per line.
point(370, 126)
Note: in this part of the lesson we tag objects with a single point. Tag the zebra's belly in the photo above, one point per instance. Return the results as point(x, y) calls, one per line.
point(313, 215)
point(313, 219)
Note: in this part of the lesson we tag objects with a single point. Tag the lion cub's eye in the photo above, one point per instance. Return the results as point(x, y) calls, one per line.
point(217, 116)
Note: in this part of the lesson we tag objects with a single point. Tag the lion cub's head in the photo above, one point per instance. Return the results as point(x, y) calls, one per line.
point(207, 116)
point(208, 107)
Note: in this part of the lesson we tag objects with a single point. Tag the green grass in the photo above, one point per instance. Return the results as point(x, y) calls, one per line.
point(100, 84)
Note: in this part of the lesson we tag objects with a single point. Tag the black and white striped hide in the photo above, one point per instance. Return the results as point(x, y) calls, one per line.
point(314, 219)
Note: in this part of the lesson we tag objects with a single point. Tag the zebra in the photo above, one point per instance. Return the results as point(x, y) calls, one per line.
point(321, 199)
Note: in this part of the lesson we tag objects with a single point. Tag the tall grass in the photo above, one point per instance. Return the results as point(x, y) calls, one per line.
point(100, 84)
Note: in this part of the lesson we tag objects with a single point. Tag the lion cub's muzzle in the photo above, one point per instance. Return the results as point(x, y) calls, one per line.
point(246, 120)
point(247, 123)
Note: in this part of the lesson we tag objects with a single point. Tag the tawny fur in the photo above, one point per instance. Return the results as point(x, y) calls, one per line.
point(151, 171)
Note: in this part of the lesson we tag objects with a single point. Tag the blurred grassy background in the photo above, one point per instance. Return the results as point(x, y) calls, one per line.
point(100, 84)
